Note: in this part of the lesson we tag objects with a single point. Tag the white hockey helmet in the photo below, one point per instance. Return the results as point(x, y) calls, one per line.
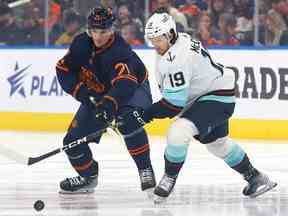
point(160, 24)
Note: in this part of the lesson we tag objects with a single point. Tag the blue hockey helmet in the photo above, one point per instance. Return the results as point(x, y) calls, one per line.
point(100, 18)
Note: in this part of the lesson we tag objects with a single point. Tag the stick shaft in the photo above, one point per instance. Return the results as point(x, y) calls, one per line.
point(86, 139)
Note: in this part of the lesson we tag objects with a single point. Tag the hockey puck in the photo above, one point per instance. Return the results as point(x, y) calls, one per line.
point(39, 205)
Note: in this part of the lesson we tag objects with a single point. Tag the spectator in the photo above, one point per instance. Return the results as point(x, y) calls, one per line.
point(125, 18)
point(275, 26)
point(191, 11)
point(179, 17)
point(190, 8)
point(201, 4)
point(40, 6)
point(108, 3)
point(244, 8)
point(274, 29)
point(246, 36)
point(218, 7)
point(227, 24)
point(65, 4)
point(72, 24)
point(128, 32)
point(278, 12)
point(205, 33)
point(282, 7)
point(29, 17)
point(54, 14)
point(32, 27)
point(10, 32)
point(32, 22)
point(84, 8)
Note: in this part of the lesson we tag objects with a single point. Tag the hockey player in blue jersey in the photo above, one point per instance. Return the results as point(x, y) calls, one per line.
point(102, 72)
point(201, 92)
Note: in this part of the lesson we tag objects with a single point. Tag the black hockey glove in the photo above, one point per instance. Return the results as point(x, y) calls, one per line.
point(84, 97)
point(103, 112)
point(133, 119)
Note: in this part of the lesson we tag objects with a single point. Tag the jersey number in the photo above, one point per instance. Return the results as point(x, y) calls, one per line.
point(177, 79)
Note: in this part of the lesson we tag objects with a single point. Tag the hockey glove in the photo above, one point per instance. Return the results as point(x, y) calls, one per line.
point(103, 112)
point(133, 119)
point(83, 96)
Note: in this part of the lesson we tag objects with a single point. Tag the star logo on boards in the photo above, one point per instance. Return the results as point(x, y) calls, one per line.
point(17, 79)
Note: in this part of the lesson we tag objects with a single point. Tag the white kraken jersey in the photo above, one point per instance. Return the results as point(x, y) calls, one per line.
point(187, 71)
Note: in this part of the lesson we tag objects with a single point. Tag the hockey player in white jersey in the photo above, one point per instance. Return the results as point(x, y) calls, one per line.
point(201, 92)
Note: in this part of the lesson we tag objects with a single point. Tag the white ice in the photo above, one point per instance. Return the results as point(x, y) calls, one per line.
point(205, 187)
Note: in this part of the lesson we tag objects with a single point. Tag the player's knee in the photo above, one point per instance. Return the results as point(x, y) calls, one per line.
point(220, 147)
point(179, 136)
point(181, 131)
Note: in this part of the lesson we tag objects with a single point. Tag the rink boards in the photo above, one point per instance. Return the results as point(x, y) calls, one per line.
point(32, 99)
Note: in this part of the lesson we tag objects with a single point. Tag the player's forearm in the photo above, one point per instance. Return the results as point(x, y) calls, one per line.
point(72, 86)
point(66, 81)
point(120, 94)
point(161, 109)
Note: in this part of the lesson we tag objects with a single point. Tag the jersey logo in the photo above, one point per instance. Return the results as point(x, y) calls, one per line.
point(91, 81)
point(171, 58)
point(165, 18)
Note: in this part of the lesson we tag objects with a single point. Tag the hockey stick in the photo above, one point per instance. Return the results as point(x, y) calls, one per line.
point(26, 160)
point(18, 3)
point(22, 159)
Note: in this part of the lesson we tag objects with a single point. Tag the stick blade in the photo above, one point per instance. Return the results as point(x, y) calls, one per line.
point(33, 160)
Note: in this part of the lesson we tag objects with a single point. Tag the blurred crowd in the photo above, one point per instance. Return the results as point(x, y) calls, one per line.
point(214, 22)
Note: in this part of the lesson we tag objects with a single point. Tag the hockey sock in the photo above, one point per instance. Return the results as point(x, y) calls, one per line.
point(81, 159)
point(172, 168)
point(176, 153)
point(139, 149)
point(233, 155)
point(245, 168)
point(174, 156)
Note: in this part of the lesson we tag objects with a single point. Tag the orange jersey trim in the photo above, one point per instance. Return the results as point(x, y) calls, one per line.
point(60, 65)
point(140, 150)
point(146, 76)
point(76, 89)
point(86, 76)
point(125, 76)
point(113, 100)
point(83, 167)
